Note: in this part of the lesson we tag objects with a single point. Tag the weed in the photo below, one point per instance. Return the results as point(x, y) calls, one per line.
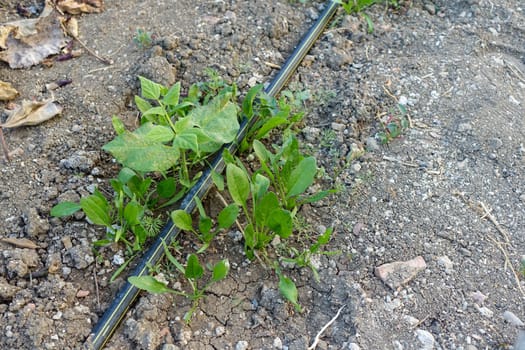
point(358, 6)
point(193, 271)
point(143, 39)
point(393, 124)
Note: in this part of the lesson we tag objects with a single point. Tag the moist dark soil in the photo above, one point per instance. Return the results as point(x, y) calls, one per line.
point(450, 189)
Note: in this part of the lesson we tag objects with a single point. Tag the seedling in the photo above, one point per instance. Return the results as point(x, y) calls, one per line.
point(143, 39)
point(394, 124)
point(193, 271)
point(358, 6)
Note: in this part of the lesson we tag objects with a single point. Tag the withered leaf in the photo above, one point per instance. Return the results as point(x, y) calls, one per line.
point(7, 91)
point(28, 42)
point(76, 7)
point(20, 242)
point(31, 113)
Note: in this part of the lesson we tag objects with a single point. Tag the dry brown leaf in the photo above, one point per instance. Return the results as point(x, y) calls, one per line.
point(31, 113)
point(76, 7)
point(20, 243)
point(7, 91)
point(28, 42)
point(72, 27)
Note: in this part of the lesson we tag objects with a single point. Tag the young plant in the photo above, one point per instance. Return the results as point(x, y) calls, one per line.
point(143, 39)
point(358, 6)
point(193, 271)
point(393, 125)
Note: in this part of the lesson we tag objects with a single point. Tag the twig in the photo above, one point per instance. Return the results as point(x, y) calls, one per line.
point(4, 145)
point(272, 65)
point(93, 53)
point(487, 214)
point(96, 285)
point(318, 336)
point(395, 160)
point(508, 263)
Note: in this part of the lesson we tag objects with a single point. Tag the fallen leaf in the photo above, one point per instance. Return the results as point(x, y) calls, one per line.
point(72, 27)
point(7, 91)
point(76, 7)
point(27, 42)
point(31, 113)
point(20, 242)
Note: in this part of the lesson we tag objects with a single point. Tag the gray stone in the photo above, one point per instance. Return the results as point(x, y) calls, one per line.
point(35, 225)
point(371, 144)
point(511, 318)
point(7, 291)
point(353, 346)
point(159, 70)
point(241, 345)
point(81, 160)
point(80, 256)
point(278, 343)
point(426, 339)
point(446, 263)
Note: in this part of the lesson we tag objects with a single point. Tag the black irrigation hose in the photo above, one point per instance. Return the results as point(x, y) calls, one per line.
point(128, 293)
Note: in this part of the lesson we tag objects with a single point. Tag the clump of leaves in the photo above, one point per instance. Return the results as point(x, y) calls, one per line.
point(393, 124)
point(143, 39)
point(358, 6)
point(194, 273)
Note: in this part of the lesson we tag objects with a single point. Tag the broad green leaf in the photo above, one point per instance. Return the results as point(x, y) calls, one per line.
point(133, 212)
point(238, 184)
point(65, 209)
point(166, 188)
point(220, 270)
point(187, 141)
point(217, 119)
point(302, 177)
point(125, 174)
point(227, 216)
point(118, 125)
point(269, 125)
point(218, 180)
point(289, 291)
point(260, 186)
point(154, 111)
point(247, 103)
point(264, 156)
point(159, 133)
point(182, 220)
point(142, 104)
point(142, 153)
point(316, 197)
point(172, 97)
point(96, 208)
point(205, 224)
point(149, 88)
point(265, 207)
point(280, 221)
point(194, 269)
point(205, 143)
point(200, 207)
point(139, 186)
point(325, 237)
point(149, 283)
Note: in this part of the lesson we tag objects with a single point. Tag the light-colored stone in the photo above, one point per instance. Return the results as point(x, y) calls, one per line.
point(511, 318)
point(398, 273)
point(426, 339)
point(241, 345)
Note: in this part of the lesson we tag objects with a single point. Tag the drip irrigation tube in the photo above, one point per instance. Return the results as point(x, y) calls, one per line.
point(128, 293)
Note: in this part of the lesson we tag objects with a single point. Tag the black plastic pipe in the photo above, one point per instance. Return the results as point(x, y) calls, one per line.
point(128, 293)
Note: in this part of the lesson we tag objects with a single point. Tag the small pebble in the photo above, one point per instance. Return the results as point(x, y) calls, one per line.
point(485, 311)
point(219, 331)
point(82, 293)
point(241, 345)
point(278, 343)
point(511, 318)
point(426, 338)
point(353, 346)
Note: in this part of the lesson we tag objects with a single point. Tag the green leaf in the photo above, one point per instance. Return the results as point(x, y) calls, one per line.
point(182, 220)
point(142, 104)
point(159, 133)
point(269, 125)
point(280, 221)
point(260, 186)
point(142, 152)
point(302, 177)
point(247, 103)
point(289, 291)
point(118, 125)
point(218, 180)
point(96, 208)
point(126, 174)
point(316, 197)
point(172, 97)
point(217, 119)
point(65, 209)
point(227, 216)
point(149, 88)
point(325, 237)
point(194, 269)
point(133, 212)
point(265, 207)
point(154, 111)
point(250, 240)
point(166, 188)
point(238, 184)
point(220, 270)
point(172, 259)
point(205, 224)
point(187, 141)
point(149, 283)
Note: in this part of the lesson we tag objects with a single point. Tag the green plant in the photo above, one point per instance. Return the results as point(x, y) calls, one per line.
point(358, 6)
point(193, 271)
point(142, 39)
point(393, 124)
